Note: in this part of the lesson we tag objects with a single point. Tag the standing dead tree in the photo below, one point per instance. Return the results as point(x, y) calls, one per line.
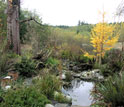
point(13, 7)
point(13, 24)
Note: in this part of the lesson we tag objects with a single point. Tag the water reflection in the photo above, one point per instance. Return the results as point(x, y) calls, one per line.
point(80, 92)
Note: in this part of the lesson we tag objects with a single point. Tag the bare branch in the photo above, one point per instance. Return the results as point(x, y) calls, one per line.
point(23, 21)
point(37, 22)
point(120, 9)
point(30, 19)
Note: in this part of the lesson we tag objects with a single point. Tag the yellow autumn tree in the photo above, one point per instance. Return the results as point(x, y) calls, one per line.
point(103, 38)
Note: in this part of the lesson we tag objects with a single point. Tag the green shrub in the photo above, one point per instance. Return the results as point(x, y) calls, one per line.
point(24, 97)
point(48, 84)
point(26, 67)
point(52, 62)
point(111, 91)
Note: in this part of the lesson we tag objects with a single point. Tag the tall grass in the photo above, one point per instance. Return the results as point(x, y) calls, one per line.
point(47, 84)
point(111, 91)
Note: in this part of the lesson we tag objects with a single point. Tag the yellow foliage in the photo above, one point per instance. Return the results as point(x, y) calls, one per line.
point(88, 55)
point(103, 38)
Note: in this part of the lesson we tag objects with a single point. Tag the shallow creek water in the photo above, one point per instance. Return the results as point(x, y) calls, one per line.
point(80, 92)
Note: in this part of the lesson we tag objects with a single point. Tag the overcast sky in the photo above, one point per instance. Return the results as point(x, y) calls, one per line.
point(68, 12)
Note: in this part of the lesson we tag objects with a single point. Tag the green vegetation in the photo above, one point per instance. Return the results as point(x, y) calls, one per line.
point(24, 97)
point(47, 84)
point(3, 23)
point(3, 42)
point(52, 62)
point(23, 27)
point(3, 56)
point(26, 67)
point(111, 91)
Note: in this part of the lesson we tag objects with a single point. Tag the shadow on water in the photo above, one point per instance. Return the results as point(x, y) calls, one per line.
point(80, 92)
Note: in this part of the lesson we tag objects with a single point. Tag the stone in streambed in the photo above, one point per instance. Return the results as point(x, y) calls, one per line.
point(49, 105)
point(77, 75)
point(66, 97)
point(63, 76)
point(62, 105)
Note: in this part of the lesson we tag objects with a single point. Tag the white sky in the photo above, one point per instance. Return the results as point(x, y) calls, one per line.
point(69, 12)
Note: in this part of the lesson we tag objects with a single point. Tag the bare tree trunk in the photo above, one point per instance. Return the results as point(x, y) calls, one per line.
point(13, 27)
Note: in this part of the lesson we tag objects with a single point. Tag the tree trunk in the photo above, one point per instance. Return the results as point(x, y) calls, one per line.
point(13, 27)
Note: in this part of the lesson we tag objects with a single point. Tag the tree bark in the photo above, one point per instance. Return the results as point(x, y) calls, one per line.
point(13, 33)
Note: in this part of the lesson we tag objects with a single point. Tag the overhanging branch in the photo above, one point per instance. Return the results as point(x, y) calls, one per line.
point(30, 19)
point(26, 20)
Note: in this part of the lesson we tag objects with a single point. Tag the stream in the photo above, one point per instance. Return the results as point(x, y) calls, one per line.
point(80, 92)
